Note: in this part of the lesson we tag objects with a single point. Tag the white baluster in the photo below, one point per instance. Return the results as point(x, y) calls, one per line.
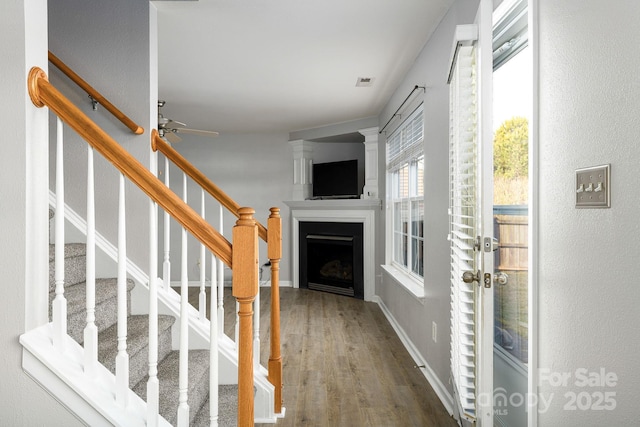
point(202, 302)
point(153, 386)
point(183, 379)
point(166, 265)
point(220, 280)
point(214, 289)
point(213, 351)
point(256, 330)
point(59, 309)
point(122, 359)
point(90, 330)
point(236, 335)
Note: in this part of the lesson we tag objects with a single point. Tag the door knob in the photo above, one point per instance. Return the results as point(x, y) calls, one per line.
point(501, 278)
point(470, 277)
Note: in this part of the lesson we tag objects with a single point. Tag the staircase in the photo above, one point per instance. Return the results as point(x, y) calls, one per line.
point(137, 344)
point(132, 375)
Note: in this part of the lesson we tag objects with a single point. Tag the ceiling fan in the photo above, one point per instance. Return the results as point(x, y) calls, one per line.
point(168, 128)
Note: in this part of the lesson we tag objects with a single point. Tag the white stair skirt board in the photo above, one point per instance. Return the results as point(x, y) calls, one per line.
point(169, 303)
point(63, 376)
point(434, 381)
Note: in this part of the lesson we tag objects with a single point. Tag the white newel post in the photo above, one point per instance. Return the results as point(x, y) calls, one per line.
point(302, 166)
point(370, 190)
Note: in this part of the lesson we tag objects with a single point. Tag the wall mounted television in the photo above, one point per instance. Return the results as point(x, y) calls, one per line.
point(336, 180)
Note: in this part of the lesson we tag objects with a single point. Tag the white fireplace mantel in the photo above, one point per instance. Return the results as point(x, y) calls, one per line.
point(341, 210)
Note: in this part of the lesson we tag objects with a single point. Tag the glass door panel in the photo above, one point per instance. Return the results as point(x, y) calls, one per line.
point(511, 108)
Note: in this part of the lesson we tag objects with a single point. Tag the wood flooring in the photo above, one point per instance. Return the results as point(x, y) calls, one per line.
point(343, 364)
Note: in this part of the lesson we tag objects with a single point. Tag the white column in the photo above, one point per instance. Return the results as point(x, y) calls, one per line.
point(302, 164)
point(370, 190)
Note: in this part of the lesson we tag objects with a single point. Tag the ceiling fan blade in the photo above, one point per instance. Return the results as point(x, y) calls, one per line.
point(171, 136)
point(208, 133)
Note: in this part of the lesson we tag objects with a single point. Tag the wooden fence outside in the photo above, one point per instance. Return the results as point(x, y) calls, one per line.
point(511, 228)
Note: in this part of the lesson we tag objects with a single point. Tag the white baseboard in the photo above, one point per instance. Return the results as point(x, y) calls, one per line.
point(433, 379)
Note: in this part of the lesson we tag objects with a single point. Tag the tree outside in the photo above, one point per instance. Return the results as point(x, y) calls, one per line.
point(511, 162)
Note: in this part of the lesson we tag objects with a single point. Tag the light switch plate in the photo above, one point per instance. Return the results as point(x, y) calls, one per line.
point(593, 187)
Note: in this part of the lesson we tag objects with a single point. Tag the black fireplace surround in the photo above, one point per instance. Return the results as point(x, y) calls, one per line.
point(331, 257)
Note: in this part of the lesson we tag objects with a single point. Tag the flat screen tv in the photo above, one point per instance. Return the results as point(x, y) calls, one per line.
point(335, 180)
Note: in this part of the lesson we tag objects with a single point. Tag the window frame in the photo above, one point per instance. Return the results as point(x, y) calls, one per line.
point(409, 262)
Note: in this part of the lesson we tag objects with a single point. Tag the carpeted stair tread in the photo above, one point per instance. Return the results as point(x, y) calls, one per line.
point(137, 345)
point(227, 408)
point(105, 288)
point(70, 250)
point(168, 376)
point(106, 305)
point(75, 264)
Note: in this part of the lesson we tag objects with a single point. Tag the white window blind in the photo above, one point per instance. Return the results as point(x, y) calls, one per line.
point(405, 175)
point(405, 143)
point(462, 223)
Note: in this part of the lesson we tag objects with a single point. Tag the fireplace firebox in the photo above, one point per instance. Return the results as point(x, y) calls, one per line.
point(331, 257)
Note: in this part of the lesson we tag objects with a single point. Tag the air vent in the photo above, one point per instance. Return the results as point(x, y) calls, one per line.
point(364, 81)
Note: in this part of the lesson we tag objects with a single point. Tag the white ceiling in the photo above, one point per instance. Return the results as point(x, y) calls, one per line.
point(244, 66)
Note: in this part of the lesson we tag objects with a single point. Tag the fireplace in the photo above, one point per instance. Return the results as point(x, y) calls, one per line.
point(352, 211)
point(331, 257)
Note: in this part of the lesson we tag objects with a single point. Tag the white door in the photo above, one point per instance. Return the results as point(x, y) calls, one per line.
point(489, 216)
point(471, 224)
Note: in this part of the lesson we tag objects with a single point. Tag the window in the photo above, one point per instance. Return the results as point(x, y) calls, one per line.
point(405, 198)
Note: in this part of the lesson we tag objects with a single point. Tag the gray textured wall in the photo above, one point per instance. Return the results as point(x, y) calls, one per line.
point(23, 31)
point(413, 316)
point(108, 45)
point(588, 296)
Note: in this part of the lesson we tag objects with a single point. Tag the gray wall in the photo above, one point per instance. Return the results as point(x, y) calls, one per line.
point(414, 316)
point(22, 402)
point(254, 170)
point(588, 295)
point(107, 44)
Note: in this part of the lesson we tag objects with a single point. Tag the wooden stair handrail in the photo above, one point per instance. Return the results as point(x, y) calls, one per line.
point(95, 94)
point(157, 143)
point(42, 94)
